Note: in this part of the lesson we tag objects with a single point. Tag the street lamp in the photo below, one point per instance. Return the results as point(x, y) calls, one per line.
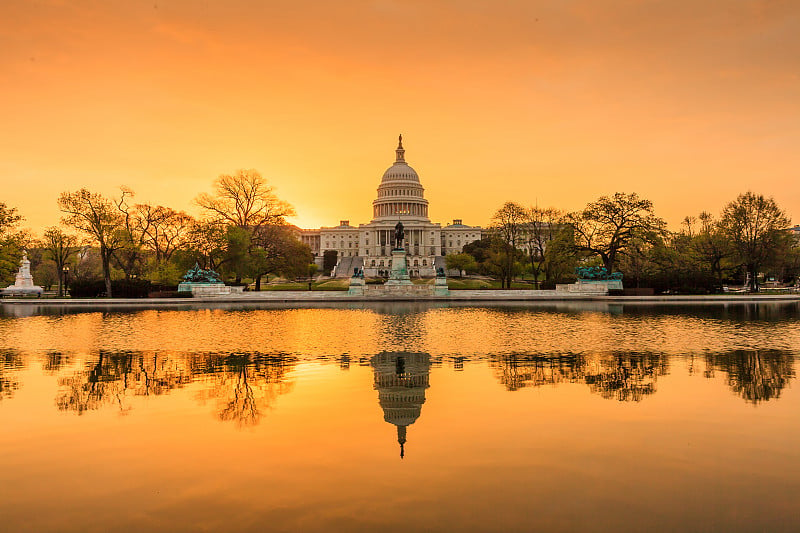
point(65, 275)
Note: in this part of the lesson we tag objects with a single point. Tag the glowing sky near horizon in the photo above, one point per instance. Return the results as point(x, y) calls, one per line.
point(551, 102)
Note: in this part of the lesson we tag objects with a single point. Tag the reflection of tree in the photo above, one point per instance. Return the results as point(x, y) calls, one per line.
point(625, 377)
point(754, 375)
point(517, 371)
point(54, 362)
point(10, 364)
point(244, 383)
point(620, 376)
point(114, 375)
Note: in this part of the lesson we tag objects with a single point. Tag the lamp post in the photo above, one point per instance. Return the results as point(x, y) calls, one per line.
point(65, 276)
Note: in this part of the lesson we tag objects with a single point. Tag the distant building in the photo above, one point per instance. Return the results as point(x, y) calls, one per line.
point(369, 246)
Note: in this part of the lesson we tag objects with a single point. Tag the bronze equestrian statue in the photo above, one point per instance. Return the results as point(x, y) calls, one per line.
point(399, 236)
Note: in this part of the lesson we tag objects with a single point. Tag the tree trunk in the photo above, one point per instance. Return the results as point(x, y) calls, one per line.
point(258, 283)
point(753, 270)
point(106, 270)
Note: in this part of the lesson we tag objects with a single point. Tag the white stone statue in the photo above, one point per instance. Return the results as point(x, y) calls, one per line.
point(23, 284)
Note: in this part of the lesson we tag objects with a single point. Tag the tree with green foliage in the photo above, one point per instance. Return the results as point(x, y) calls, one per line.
point(329, 260)
point(461, 262)
point(237, 260)
point(479, 250)
point(756, 227)
point(206, 245)
point(47, 275)
point(11, 243)
point(559, 259)
point(99, 218)
point(279, 251)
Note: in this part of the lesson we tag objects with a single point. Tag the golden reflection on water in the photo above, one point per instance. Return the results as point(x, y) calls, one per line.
point(397, 418)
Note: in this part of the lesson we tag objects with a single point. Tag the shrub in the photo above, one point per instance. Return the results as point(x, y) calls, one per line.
point(120, 288)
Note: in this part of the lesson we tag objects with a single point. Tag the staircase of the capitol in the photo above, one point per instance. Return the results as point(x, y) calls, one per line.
point(344, 269)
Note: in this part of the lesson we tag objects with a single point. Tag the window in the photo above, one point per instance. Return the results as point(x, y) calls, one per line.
point(424, 262)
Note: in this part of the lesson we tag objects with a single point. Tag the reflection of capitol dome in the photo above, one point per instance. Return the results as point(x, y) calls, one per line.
point(401, 379)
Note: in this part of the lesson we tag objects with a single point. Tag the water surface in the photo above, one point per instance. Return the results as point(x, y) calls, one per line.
point(399, 417)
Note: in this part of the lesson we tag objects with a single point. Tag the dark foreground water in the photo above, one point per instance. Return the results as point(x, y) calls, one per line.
point(401, 418)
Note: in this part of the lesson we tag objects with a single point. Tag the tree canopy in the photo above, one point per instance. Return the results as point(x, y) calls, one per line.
point(757, 228)
point(606, 226)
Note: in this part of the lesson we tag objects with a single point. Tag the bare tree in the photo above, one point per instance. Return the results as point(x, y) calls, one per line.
point(540, 228)
point(507, 225)
point(244, 200)
point(61, 246)
point(606, 226)
point(100, 219)
point(710, 245)
point(166, 230)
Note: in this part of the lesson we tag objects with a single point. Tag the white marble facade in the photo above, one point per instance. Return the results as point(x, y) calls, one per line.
point(400, 198)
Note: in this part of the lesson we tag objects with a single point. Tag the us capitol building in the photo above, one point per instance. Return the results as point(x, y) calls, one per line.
point(369, 246)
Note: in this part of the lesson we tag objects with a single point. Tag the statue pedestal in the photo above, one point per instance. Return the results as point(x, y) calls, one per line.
point(208, 289)
point(399, 273)
point(23, 282)
point(591, 287)
point(440, 287)
point(356, 286)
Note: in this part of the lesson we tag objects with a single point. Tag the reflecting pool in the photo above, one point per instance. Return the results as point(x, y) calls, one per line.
point(401, 417)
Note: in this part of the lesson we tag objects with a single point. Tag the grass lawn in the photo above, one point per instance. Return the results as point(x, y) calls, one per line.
point(324, 285)
point(474, 284)
point(343, 284)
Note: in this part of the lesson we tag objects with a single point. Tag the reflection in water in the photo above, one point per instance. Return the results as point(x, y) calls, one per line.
point(625, 377)
point(756, 376)
point(114, 375)
point(10, 364)
point(54, 362)
point(401, 379)
point(516, 371)
point(244, 384)
point(618, 376)
point(200, 386)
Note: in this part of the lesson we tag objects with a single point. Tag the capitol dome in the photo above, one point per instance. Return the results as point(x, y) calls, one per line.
point(400, 194)
point(400, 171)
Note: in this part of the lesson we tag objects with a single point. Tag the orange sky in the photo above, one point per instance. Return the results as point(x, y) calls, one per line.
point(687, 103)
